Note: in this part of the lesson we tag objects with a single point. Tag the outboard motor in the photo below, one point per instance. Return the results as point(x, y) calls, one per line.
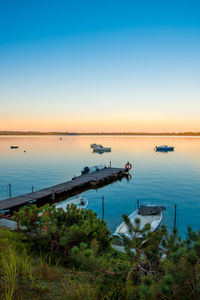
point(82, 202)
point(85, 170)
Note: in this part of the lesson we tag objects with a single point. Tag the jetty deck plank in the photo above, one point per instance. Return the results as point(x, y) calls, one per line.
point(76, 182)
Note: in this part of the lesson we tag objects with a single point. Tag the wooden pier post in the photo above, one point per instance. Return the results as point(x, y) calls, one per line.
point(32, 189)
point(102, 207)
point(175, 215)
point(138, 205)
point(9, 187)
point(53, 195)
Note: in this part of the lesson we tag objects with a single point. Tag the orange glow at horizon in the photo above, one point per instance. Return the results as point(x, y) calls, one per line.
point(105, 123)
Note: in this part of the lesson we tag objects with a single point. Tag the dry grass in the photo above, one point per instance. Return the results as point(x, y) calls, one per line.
point(23, 277)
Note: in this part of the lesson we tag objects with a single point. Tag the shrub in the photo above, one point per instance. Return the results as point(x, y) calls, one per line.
point(51, 229)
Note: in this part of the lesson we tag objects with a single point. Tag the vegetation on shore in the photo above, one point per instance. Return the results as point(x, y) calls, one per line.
point(69, 255)
point(187, 133)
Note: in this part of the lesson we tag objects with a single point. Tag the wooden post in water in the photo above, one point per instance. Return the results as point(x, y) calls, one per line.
point(53, 195)
point(175, 215)
point(9, 187)
point(138, 205)
point(110, 163)
point(102, 207)
point(32, 189)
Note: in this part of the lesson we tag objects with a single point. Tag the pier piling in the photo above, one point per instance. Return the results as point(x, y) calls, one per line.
point(175, 207)
point(10, 193)
point(102, 207)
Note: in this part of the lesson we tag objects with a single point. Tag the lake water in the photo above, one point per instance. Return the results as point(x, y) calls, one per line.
point(162, 178)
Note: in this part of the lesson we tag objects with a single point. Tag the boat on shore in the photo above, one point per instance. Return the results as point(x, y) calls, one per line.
point(14, 147)
point(148, 214)
point(80, 201)
point(164, 148)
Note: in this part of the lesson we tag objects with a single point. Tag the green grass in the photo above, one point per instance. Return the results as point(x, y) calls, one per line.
point(23, 276)
point(30, 272)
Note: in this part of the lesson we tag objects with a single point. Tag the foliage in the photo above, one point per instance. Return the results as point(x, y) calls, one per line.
point(166, 267)
point(24, 276)
point(51, 229)
point(158, 265)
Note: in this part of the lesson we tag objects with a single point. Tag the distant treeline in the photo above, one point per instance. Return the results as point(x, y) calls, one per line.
point(99, 133)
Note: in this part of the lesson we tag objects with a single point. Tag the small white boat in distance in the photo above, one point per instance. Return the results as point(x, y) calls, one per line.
point(164, 148)
point(80, 201)
point(101, 149)
point(148, 214)
point(95, 145)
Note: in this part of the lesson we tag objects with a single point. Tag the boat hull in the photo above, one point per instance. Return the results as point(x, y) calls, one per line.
point(164, 148)
point(95, 145)
point(101, 149)
point(80, 202)
point(153, 220)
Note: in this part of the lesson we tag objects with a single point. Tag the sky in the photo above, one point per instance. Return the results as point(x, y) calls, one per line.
point(100, 66)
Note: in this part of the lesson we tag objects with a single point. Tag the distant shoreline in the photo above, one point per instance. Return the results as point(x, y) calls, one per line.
point(36, 133)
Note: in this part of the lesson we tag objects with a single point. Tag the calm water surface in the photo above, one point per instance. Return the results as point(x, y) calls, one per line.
point(162, 178)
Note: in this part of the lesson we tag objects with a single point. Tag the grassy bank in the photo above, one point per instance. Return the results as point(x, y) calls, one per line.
point(26, 276)
point(69, 255)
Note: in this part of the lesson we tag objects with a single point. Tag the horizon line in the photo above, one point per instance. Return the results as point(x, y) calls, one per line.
point(10, 132)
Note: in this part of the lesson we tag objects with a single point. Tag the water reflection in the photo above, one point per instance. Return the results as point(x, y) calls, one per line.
point(161, 178)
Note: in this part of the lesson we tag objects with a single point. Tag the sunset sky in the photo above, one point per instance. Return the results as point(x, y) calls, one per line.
point(93, 66)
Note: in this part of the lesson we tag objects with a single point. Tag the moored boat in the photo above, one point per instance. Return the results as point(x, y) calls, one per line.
point(87, 170)
point(101, 149)
point(95, 145)
point(164, 148)
point(80, 201)
point(148, 214)
point(4, 211)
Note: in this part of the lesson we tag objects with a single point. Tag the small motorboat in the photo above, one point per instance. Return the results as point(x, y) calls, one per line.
point(164, 148)
point(14, 147)
point(95, 145)
point(88, 170)
point(148, 214)
point(80, 201)
point(32, 201)
point(101, 149)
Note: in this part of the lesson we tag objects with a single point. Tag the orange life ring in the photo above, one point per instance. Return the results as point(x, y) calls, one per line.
point(128, 166)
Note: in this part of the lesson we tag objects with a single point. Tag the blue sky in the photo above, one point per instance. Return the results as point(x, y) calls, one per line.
point(100, 65)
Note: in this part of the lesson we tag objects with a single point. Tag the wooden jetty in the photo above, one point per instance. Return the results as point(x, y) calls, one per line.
point(93, 179)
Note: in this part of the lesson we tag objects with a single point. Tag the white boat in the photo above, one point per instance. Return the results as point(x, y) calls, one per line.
point(95, 145)
point(4, 211)
point(101, 149)
point(80, 201)
point(164, 148)
point(149, 214)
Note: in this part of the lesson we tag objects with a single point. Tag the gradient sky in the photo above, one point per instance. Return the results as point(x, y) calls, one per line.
point(100, 65)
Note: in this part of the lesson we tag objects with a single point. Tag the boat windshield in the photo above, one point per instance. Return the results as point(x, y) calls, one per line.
point(149, 210)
